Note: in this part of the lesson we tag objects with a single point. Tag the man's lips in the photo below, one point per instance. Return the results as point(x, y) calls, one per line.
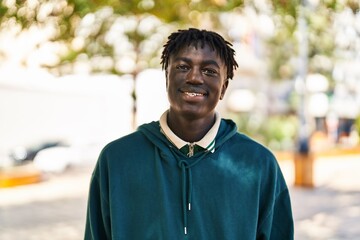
point(193, 92)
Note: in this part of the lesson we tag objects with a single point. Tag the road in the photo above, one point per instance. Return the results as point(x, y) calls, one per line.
point(55, 208)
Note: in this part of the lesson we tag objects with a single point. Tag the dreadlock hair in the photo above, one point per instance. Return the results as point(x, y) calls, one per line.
point(184, 38)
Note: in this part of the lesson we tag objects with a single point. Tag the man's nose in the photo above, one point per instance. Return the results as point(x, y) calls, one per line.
point(195, 76)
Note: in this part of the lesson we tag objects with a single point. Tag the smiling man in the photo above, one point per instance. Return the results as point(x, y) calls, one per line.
point(190, 175)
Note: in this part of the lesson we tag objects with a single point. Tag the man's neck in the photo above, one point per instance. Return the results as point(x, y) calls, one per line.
point(190, 130)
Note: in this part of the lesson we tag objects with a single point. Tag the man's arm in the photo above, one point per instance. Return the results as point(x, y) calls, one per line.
point(97, 220)
point(279, 223)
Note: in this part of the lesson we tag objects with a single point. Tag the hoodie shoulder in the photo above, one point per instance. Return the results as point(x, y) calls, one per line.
point(152, 131)
point(244, 145)
point(124, 142)
point(130, 141)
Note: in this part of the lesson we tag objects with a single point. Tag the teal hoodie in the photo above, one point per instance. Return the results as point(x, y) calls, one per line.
point(144, 188)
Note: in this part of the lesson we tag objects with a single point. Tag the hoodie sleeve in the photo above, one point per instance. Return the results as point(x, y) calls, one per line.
point(279, 223)
point(282, 226)
point(276, 222)
point(98, 214)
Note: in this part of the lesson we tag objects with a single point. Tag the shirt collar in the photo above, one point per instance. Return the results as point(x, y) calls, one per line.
point(207, 142)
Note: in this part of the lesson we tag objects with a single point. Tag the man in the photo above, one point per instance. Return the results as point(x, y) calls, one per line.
point(190, 175)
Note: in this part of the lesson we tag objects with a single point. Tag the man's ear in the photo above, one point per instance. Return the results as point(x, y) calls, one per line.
point(223, 88)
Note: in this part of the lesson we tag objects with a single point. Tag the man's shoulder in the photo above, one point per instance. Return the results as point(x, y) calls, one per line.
point(133, 140)
point(127, 140)
point(244, 143)
point(239, 141)
point(242, 138)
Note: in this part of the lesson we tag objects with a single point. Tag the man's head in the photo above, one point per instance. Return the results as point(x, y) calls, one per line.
point(192, 36)
point(198, 66)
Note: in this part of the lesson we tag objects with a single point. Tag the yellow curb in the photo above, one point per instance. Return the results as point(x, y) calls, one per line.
point(288, 155)
point(19, 175)
point(338, 152)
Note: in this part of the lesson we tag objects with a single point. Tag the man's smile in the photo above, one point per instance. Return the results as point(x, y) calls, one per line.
point(192, 94)
point(193, 91)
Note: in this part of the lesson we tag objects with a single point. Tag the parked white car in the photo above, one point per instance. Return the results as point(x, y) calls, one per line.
point(58, 159)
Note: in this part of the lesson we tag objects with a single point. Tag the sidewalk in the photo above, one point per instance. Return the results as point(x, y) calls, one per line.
point(55, 208)
point(330, 210)
point(52, 209)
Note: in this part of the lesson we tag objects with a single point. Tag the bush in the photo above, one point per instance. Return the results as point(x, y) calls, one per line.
point(278, 132)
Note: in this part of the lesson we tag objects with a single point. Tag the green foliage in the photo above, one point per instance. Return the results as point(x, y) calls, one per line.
point(276, 131)
point(319, 19)
point(286, 7)
point(3, 10)
point(354, 5)
point(82, 7)
point(280, 127)
point(357, 125)
point(281, 60)
point(67, 15)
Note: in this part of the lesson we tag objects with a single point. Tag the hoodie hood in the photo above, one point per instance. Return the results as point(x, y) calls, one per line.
point(152, 131)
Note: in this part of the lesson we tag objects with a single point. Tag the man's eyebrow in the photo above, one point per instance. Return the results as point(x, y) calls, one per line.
point(205, 62)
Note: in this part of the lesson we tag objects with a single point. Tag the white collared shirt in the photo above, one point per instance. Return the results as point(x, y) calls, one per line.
point(207, 142)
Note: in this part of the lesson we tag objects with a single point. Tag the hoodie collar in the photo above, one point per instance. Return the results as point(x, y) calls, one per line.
point(207, 142)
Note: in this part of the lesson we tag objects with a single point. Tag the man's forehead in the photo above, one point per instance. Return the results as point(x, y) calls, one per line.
point(197, 46)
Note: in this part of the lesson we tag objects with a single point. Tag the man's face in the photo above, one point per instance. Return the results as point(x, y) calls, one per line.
point(196, 81)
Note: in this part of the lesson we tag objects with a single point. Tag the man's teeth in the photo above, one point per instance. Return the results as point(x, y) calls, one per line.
point(192, 94)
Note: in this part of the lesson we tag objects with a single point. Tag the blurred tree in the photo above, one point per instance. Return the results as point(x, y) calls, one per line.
point(122, 37)
point(318, 52)
point(319, 16)
point(67, 17)
point(106, 35)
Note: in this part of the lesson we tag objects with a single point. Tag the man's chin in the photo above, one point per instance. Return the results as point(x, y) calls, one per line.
point(193, 113)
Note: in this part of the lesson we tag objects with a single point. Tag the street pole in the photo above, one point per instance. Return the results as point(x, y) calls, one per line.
point(303, 155)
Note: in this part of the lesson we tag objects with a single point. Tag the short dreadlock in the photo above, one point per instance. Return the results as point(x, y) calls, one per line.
point(183, 38)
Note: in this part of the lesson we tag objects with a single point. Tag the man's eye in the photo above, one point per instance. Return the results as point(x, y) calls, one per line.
point(182, 67)
point(208, 71)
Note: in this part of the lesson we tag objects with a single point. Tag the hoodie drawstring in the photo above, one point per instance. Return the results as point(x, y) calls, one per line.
point(186, 189)
point(186, 183)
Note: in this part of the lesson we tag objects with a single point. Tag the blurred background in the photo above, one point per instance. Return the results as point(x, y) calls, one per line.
point(77, 74)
